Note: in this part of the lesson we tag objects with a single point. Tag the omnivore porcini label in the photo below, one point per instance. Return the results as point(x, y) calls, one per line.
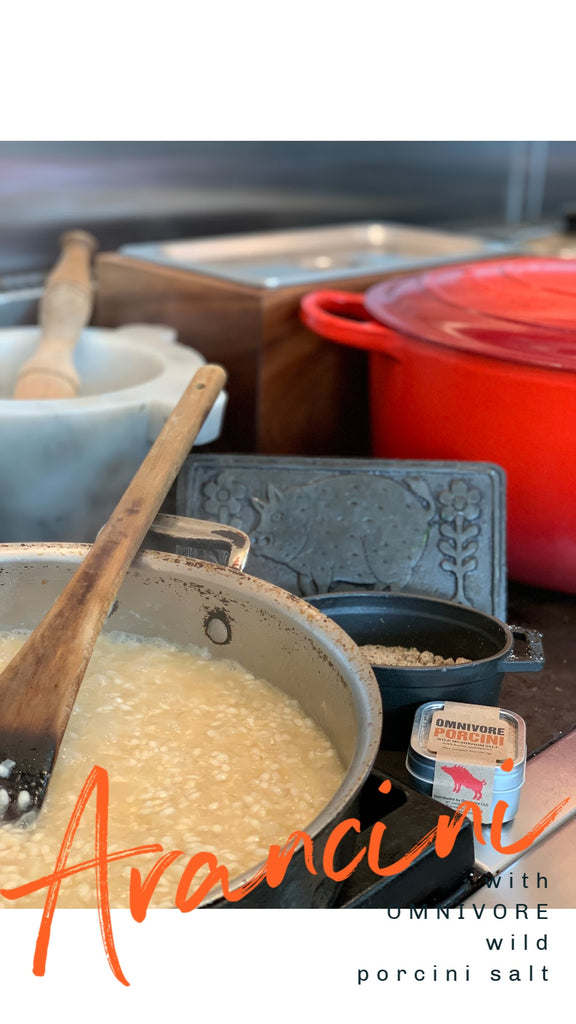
point(472, 733)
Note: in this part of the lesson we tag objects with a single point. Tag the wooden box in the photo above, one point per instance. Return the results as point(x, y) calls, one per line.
point(236, 299)
point(290, 392)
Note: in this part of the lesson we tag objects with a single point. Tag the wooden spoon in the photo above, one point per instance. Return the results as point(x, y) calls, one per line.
point(39, 686)
point(65, 309)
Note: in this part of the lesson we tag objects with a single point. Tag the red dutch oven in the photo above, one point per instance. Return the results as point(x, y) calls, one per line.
point(478, 362)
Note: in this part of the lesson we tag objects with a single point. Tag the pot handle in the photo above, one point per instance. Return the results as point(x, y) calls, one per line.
point(213, 536)
point(533, 660)
point(343, 317)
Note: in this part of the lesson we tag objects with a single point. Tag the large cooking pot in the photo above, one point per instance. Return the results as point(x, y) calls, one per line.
point(273, 634)
point(479, 363)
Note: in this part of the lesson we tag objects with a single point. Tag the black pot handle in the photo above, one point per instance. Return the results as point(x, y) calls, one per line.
point(184, 533)
point(533, 659)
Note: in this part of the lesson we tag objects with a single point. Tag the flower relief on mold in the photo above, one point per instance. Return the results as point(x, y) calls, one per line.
point(224, 497)
point(459, 507)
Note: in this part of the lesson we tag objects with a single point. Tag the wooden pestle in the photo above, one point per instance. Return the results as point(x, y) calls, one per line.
point(65, 309)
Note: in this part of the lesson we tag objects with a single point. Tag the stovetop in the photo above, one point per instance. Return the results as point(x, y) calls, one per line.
point(466, 875)
point(430, 880)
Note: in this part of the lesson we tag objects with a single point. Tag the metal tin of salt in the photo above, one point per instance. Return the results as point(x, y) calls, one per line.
point(463, 778)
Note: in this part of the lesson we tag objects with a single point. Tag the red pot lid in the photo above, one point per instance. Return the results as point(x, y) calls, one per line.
point(528, 299)
point(553, 275)
point(522, 310)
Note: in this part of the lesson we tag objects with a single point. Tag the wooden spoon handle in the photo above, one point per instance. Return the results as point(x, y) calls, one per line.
point(39, 686)
point(65, 309)
point(120, 538)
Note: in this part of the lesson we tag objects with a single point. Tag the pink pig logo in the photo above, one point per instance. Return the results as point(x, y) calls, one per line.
point(462, 777)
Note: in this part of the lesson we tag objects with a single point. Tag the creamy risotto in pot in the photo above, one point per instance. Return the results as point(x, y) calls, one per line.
point(201, 755)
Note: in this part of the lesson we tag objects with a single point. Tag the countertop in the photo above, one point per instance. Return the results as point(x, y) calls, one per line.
point(546, 700)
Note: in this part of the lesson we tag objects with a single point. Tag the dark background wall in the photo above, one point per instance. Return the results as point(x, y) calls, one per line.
point(144, 191)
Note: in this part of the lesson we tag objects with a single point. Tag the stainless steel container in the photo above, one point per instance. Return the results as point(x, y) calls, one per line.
point(278, 258)
point(421, 761)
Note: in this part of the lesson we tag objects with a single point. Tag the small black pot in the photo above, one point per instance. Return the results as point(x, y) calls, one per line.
point(444, 627)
